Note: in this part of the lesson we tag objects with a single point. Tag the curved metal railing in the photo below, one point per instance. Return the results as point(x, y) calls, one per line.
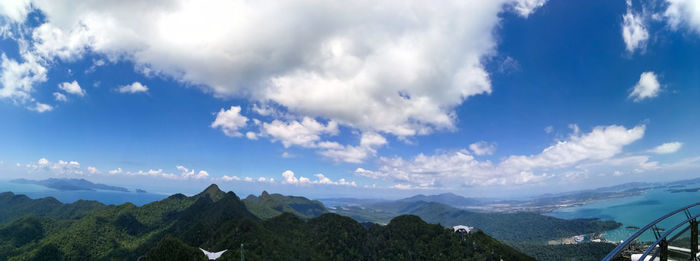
point(662, 239)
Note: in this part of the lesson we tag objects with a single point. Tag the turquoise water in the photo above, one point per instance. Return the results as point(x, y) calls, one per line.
point(106, 197)
point(636, 211)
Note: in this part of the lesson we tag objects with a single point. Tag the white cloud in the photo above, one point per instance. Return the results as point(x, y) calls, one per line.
point(230, 178)
point(369, 173)
point(634, 32)
point(647, 87)
point(72, 88)
point(251, 135)
point(402, 186)
point(527, 7)
point(369, 142)
point(461, 168)
point(190, 173)
point(397, 67)
point(116, 171)
point(93, 170)
point(16, 10)
point(305, 133)
point(60, 96)
point(667, 148)
point(61, 167)
point(18, 79)
point(482, 148)
point(40, 107)
point(135, 87)
point(290, 178)
point(683, 13)
point(230, 121)
point(50, 41)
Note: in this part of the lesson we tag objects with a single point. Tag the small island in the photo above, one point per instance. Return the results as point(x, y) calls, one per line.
point(70, 184)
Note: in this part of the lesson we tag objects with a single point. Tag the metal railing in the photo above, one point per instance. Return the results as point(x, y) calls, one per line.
point(661, 243)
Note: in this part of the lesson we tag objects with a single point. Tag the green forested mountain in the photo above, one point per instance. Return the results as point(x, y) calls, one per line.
point(14, 206)
point(530, 227)
point(173, 229)
point(270, 205)
point(334, 237)
point(528, 232)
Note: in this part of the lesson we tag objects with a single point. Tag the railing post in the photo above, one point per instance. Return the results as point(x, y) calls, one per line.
point(663, 245)
point(694, 238)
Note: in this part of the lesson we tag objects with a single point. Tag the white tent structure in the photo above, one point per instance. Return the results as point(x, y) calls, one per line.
point(213, 255)
point(462, 229)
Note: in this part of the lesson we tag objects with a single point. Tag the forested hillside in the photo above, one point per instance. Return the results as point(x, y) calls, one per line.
point(271, 205)
point(173, 229)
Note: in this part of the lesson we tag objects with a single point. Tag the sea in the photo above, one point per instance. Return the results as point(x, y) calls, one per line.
point(635, 212)
point(104, 196)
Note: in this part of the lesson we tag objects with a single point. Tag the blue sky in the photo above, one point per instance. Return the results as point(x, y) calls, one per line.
point(505, 98)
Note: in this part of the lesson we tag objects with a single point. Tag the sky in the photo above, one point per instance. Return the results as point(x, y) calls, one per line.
point(367, 99)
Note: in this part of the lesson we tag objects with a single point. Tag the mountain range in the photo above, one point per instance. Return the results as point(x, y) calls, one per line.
point(173, 229)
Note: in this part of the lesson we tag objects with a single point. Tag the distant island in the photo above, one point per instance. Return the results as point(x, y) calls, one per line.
point(684, 190)
point(70, 184)
point(141, 191)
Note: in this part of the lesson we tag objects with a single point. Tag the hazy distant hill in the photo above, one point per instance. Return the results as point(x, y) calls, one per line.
point(271, 205)
point(449, 199)
point(173, 229)
point(70, 184)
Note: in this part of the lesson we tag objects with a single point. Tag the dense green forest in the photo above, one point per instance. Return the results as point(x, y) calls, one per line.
point(527, 232)
point(173, 229)
point(271, 205)
point(531, 227)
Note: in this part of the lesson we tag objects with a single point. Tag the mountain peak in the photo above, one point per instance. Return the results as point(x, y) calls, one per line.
point(213, 192)
point(265, 194)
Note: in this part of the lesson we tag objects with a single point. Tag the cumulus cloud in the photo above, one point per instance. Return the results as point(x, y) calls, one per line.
point(667, 148)
point(397, 67)
point(115, 171)
point(60, 167)
point(634, 32)
point(19, 78)
point(647, 87)
point(41, 107)
point(290, 178)
point(230, 178)
point(15, 10)
point(460, 167)
point(229, 121)
point(305, 133)
point(60, 97)
point(683, 13)
point(527, 7)
point(482, 148)
point(369, 142)
point(135, 87)
point(93, 170)
point(72, 88)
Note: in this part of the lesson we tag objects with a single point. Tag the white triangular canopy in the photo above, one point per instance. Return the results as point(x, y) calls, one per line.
point(213, 255)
